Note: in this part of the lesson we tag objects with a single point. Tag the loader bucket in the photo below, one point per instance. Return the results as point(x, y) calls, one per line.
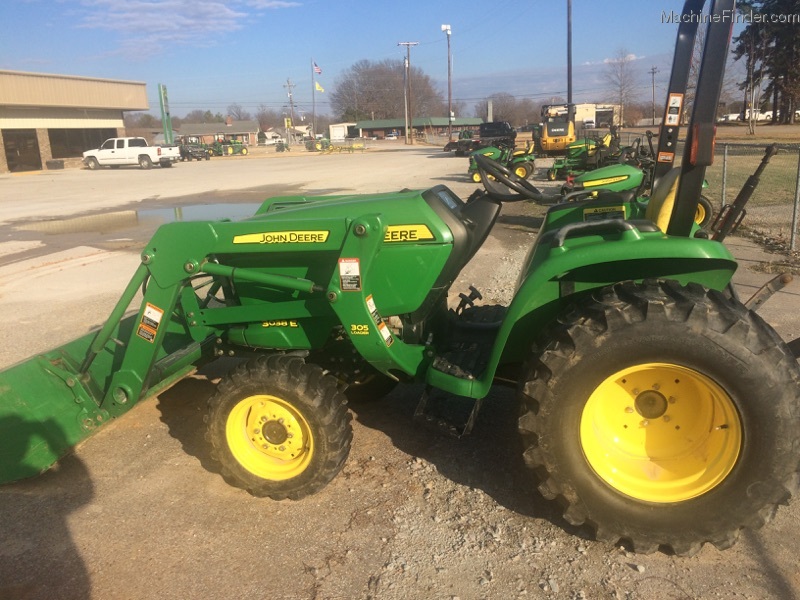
point(41, 417)
point(47, 406)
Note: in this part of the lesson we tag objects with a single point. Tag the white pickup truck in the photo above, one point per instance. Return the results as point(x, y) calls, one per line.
point(130, 151)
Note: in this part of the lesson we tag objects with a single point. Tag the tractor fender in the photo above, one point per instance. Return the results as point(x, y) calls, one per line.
point(560, 269)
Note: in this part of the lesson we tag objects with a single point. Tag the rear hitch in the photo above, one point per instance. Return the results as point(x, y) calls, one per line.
point(766, 291)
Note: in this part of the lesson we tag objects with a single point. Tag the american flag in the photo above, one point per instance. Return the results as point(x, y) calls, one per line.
point(317, 70)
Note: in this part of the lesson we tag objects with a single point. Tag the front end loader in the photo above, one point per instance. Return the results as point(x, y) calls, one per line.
point(654, 405)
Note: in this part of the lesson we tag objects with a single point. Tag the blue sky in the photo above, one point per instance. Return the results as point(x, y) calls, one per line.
point(213, 53)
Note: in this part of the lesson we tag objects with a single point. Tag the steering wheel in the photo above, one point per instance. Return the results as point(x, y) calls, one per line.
point(524, 189)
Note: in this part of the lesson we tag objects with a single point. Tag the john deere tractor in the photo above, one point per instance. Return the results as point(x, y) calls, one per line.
point(655, 406)
point(522, 162)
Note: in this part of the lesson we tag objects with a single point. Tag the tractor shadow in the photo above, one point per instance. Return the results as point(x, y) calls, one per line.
point(183, 407)
point(488, 459)
point(40, 558)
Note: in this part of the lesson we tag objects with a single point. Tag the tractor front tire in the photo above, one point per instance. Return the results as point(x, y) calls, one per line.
point(244, 151)
point(663, 416)
point(704, 212)
point(279, 427)
point(551, 174)
point(476, 177)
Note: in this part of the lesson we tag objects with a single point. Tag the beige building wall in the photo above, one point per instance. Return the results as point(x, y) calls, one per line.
point(18, 88)
point(39, 102)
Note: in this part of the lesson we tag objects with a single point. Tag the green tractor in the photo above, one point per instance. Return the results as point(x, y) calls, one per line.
point(228, 148)
point(521, 162)
point(656, 407)
point(633, 173)
point(585, 155)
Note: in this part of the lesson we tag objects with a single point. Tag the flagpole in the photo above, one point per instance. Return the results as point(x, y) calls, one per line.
point(313, 105)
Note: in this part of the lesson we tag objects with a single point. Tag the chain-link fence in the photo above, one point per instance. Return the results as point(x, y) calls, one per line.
point(773, 207)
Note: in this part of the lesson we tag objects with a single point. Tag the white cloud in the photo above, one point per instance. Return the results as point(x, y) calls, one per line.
point(145, 26)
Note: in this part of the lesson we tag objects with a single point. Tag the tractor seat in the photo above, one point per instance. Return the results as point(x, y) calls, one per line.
point(662, 200)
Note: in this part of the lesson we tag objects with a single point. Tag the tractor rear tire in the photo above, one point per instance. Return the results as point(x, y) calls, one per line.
point(663, 416)
point(279, 427)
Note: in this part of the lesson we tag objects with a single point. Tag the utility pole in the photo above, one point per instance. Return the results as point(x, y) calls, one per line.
point(570, 108)
point(410, 118)
point(653, 72)
point(290, 86)
point(447, 30)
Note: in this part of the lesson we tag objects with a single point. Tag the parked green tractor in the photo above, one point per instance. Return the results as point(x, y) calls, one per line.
point(656, 408)
point(228, 148)
point(633, 173)
point(521, 162)
point(585, 155)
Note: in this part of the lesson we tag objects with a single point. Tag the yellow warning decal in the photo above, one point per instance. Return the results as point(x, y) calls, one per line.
point(407, 233)
point(605, 181)
point(283, 237)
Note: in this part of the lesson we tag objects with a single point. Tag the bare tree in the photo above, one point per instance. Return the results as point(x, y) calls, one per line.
point(268, 117)
point(376, 90)
point(238, 113)
point(506, 107)
point(621, 76)
point(203, 116)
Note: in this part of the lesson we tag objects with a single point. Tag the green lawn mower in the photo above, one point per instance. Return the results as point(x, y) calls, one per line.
point(655, 407)
point(521, 162)
point(585, 155)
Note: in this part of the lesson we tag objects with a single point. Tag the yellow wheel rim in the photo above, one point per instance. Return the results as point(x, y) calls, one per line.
point(520, 172)
point(269, 437)
point(244, 150)
point(476, 177)
point(661, 433)
point(700, 214)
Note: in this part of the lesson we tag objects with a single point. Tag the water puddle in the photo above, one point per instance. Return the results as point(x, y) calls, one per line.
point(130, 219)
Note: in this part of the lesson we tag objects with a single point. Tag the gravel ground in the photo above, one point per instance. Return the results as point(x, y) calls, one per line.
point(139, 511)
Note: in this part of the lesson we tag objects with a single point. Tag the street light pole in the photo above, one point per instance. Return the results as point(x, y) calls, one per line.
point(446, 29)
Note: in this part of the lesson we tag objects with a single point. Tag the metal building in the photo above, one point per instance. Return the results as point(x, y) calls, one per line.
point(47, 121)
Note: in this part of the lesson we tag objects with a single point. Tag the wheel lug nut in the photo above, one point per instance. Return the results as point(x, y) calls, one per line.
point(645, 423)
point(282, 448)
point(629, 409)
